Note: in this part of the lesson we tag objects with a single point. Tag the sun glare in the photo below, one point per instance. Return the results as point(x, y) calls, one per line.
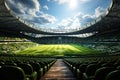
point(73, 4)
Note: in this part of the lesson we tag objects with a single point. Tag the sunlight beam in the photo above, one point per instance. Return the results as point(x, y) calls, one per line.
point(73, 4)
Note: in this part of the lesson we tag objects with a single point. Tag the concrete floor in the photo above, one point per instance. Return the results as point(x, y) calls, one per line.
point(59, 71)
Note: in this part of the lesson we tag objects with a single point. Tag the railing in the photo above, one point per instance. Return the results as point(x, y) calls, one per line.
point(61, 30)
point(84, 35)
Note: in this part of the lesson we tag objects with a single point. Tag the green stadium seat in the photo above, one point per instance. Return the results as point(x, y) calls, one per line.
point(101, 73)
point(42, 64)
point(28, 70)
point(10, 63)
point(114, 75)
point(12, 73)
point(82, 67)
point(2, 63)
point(36, 67)
point(107, 65)
point(79, 75)
point(91, 68)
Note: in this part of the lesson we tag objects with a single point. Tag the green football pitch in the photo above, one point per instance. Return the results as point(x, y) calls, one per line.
point(58, 50)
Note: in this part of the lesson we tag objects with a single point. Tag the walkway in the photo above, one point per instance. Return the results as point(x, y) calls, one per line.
point(59, 71)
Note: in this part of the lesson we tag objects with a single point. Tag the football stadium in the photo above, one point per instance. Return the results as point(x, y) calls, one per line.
point(59, 39)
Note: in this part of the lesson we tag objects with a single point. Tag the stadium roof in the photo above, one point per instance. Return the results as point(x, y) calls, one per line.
point(11, 24)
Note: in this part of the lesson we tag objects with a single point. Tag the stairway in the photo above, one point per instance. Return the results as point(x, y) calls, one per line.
point(59, 71)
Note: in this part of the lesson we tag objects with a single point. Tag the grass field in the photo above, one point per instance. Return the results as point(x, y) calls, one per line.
point(57, 50)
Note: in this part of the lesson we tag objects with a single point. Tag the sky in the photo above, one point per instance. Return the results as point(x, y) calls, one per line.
point(59, 14)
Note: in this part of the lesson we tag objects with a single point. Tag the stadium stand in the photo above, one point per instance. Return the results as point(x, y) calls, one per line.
point(30, 68)
point(94, 68)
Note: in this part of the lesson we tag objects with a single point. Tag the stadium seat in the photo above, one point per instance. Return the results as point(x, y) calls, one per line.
point(114, 75)
point(28, 70)
point(2, 63)
point(101, 63)
point(101, 73)
point(79, 75)
point(10, 63)
point(75, 66)
point(46, 64)
point(38, 69)
point(107, 65)
point(118, 67)
point(12, 73)
point(91, 68)
point(51, 63)
point(83, 67)
point(116, 64)
point(42, 64)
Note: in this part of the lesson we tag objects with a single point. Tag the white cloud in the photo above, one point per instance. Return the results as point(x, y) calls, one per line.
point(41, 19)
point(62, 1)
point(48, 18)
point(24, 6)
point(45, 7)
point(68, 1)
point(80, 19)
point(99, 11)
point(76, 24)
point(69, 23)
point(37, 5)
point(65, 22)
point(29, 10)
point(84, 1)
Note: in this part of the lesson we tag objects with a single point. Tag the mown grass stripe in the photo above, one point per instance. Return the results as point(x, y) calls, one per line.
point(57, 50)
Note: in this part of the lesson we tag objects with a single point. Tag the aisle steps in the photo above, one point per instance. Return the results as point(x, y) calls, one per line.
point(59, 71)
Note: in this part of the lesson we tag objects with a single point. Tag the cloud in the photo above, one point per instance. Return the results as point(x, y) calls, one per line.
point(24, 6)
point(67, 1)
point(29, 10)
point(62, 1)
point(11, 4)
point(76, 24)
point(65, 22)
point(46, 18)
point(80, 19)
point(40, 19)
point(86, 18)
point(45, 7)
point(99, 11)
point(84, 1)
point(69, 23)
point(31, 4)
